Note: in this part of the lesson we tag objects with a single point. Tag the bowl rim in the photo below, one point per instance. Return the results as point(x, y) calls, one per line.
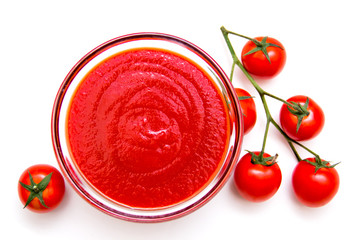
point(102, 48)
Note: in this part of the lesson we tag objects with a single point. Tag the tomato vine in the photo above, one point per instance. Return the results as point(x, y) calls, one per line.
point(299, 109)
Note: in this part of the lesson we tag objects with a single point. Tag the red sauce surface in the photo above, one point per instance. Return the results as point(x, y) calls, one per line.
point(147, 128)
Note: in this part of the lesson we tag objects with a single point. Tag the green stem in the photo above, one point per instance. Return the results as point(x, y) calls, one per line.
point(265, 136)
point(306, 148)
point(232, 71)
point(36, 189)
point(277, 98)
point(288, 139)
point(240, 35)
point(237, 61)
point(298, 158)
point(268, 120)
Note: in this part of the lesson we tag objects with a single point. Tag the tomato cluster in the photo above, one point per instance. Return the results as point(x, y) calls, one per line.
point(257, 175)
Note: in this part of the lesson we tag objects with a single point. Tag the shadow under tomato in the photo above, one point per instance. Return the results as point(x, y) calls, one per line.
point(246, 205)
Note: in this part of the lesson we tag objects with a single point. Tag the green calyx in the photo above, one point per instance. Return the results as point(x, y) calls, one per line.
point(36, 190)
point(244, 97)
point(262, 46)
point(318, 163)
point(300, 111)
point(265, 161)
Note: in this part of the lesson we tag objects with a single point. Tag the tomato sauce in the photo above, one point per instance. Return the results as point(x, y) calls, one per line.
point(147, 128)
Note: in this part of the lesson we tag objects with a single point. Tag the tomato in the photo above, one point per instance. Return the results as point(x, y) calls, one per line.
point(314, 188)
point(256, 182)
point(248, 109)
point(311, 124)
point(257, 64)
point(45, 191)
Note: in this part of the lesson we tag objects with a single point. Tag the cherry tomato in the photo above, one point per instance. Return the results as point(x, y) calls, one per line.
point(257, 63)
point(248, 109)
point(256, 182)
point(311, 124)
point(45, 191)
point(314, 189)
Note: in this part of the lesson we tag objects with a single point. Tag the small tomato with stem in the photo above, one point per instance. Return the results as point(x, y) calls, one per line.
point(263, 57)
point(248, 109)
point(257, 178)
point(41, 188)
point(302, 119)
point(315, 182)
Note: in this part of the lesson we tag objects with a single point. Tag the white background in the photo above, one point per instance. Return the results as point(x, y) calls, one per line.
point(41, 40)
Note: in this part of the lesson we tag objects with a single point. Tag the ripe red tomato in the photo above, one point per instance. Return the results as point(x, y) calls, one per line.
point(257, 63)
point(311, 125)
point(256, 182)
point(45, 191)
point(314, 189)
point(248, 109)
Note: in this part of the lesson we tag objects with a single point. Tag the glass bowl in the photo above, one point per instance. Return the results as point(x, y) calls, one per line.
point(69, 166)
